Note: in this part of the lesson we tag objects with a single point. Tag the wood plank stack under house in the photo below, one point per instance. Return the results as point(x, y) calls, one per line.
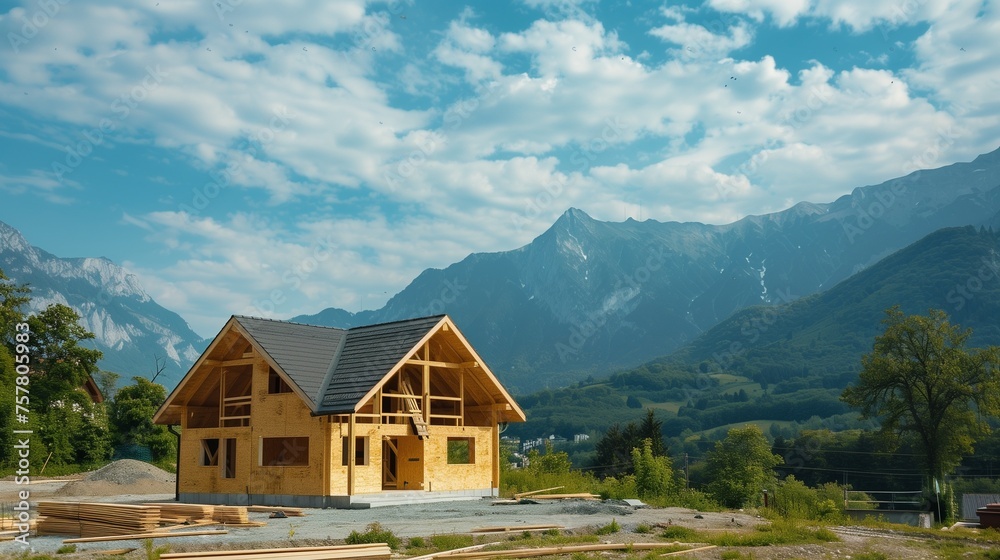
point(95, 519)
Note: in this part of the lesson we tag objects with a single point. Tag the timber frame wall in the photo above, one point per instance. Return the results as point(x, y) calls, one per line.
point(248, 438)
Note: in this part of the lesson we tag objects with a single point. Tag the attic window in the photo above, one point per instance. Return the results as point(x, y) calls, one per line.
point(275, 384)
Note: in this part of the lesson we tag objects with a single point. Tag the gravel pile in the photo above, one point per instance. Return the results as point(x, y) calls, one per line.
point(126, 476)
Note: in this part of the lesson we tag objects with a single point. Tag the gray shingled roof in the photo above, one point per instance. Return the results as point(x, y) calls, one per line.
point(336, 367)
point(368, 355)
point(304, 352)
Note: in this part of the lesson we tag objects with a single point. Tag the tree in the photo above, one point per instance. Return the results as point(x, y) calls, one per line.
point(60, 363)
point(614, 449)
point(740, 467)
point(131, 418)
point(654, 475)
point(633, 402)
point(924, 385)
point(12, 298)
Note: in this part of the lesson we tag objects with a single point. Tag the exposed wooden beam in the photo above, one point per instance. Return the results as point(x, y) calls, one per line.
point(449, 365)
point(230, 363)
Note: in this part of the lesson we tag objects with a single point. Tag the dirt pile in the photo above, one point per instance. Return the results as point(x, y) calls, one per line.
point(126, 476)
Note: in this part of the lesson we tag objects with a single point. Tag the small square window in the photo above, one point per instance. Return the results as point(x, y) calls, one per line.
point(461, 451)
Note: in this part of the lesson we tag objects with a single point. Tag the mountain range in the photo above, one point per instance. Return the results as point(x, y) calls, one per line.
point(583, 298)
point(131, 329)
point(588, 296)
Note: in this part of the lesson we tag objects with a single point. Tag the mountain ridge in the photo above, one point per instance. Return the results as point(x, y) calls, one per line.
point(129, 327)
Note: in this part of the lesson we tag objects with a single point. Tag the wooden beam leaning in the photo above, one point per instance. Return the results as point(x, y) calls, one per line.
point(553, 550)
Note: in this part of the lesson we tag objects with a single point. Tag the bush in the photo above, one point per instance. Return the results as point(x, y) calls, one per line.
point(450, 542)
point(610, 528)
point(374, 533)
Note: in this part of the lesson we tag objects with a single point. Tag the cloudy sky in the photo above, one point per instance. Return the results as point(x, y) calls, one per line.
point(334, 149)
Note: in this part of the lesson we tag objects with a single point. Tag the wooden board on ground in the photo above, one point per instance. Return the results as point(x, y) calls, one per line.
point(509, 528)
point(569, 549)
point(520, 495)
point(373, 550)
point(578, 496)
point(151, 535)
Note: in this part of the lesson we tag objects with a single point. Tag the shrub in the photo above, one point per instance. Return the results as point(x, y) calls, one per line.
point(374, 533)
point(66, 549)
point(450, 542)
point(610, 528)
point(417, 542)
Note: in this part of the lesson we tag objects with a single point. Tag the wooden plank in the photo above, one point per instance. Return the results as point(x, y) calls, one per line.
point(139, 536)
point(446, 553)
point(520, 495)
point(582, 496)
point(268, 551)
point(569, 549)
point(688, 551)
point(509, 528)
point(289, 511)
point(448, 365)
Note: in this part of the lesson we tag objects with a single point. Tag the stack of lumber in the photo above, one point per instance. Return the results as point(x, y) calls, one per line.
point(231, 515)
point(377, 551)
point(178, 513)
point(95, 519)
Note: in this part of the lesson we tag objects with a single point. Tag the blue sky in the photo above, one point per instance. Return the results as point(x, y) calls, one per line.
point(332, 150)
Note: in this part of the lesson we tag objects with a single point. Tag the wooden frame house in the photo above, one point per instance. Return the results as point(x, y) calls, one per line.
point(280, 413)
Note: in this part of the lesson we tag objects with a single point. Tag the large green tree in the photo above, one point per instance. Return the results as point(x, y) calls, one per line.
point(924, 384)
point(614, 449)
point(131, 416)
point(60, 362)
point(13, 298)
point(741, 467)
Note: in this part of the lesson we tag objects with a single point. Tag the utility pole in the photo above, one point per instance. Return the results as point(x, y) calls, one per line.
point(686, 479)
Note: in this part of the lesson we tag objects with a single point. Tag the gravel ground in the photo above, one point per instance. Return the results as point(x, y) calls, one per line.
point(136, 482)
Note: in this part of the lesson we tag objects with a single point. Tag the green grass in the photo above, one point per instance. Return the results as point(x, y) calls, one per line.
point(374, 533)
point(871, 556)
point(678, 533)
point(775, 533)
point(609, 529)
point(542, 540)
point(66, 549)
point(450, 542)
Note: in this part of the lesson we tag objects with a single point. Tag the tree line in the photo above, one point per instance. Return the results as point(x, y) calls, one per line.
point(72, 430)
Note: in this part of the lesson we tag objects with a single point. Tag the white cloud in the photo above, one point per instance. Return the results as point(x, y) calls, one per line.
point(856, 15)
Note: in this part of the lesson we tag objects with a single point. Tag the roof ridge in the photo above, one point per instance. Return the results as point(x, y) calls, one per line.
point(286, 322)
point(437, 317)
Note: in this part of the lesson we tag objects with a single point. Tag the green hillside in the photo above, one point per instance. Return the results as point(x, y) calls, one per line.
point(786, 365)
